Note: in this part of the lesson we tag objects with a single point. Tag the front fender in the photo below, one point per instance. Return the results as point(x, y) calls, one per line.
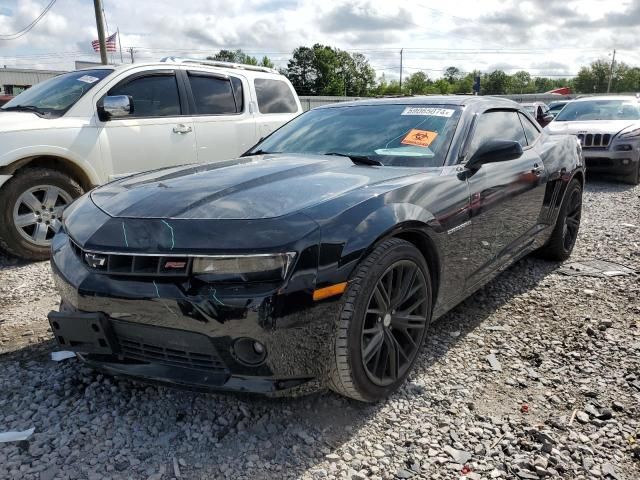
point(14, 159)
point(362, 229)
point(380, 223)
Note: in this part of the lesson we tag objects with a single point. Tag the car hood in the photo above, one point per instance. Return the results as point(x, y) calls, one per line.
point(590, 126)
point(246, 188)
point(16, 121)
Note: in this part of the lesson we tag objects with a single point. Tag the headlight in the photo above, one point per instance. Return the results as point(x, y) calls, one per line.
point(244, 268)
point(632, 134)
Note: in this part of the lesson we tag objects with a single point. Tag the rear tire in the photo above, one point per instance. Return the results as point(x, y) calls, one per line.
point(32, 202)
point(565, 233)
point(385, 316)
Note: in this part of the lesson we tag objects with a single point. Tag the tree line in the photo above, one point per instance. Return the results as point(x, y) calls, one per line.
point(326, 70)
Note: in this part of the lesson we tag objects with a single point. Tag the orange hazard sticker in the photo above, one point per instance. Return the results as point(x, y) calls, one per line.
point(420, 138)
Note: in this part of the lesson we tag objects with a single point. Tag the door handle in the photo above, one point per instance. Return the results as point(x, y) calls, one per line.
point(537, 169)
point(181, 128)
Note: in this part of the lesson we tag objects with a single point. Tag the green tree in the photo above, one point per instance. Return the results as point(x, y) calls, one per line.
point(234, 56)
point(453, 75)
point(441, 86)
point(417, 83)
point(494, 83)
point(301, 71)
point(266, 62)
point(520, 82)
point(324, 70)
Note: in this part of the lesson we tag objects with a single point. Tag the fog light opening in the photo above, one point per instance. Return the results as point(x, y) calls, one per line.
point(249, 351)
point(626, 161)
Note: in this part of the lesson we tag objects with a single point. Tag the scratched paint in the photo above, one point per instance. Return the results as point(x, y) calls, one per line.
point(173, 240)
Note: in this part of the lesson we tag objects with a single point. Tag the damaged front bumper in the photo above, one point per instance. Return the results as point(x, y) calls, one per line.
point(220, 337)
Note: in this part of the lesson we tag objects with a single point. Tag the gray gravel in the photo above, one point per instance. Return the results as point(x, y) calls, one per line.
point(564, 402)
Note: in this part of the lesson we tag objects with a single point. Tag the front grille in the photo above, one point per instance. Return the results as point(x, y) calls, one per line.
point(599, 162)
point(165, 346)
point(146, 352)
point(594, 140)
point(124, 264)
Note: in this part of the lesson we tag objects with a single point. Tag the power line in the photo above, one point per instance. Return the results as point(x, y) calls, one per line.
point(28, 28)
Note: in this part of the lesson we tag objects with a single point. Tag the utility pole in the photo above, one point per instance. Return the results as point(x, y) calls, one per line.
point(613, 62)
point(401, 70)
point(97, 5)
point(130, 49)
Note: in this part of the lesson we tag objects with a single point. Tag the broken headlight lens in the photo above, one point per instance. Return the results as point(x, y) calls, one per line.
point(244, 268)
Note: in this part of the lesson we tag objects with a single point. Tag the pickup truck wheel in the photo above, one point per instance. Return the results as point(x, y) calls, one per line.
point(33, 201)
point(384, 320)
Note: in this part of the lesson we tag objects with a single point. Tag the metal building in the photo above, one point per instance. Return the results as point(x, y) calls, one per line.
point(15, 80)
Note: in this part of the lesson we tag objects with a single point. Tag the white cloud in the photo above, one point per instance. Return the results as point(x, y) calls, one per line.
point(543, 36)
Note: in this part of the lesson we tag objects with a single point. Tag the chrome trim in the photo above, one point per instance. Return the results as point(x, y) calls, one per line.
point(459, 227)
point(117, 106)
point(190, 256)
point(218, 63)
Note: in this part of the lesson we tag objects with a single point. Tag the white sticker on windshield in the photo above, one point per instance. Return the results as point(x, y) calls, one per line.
point(428, 111)
point(88, 79)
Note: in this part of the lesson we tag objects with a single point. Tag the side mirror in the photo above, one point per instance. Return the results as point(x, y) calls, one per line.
point(116, 106)
point(494, 151)
point(548, 117)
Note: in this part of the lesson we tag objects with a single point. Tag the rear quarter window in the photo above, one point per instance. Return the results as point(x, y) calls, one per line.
point(274, 96)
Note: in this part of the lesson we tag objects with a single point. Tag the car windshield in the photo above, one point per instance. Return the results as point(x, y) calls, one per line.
point(53, 97)
point(389, 134)
point(600, 110)
point(556, 107)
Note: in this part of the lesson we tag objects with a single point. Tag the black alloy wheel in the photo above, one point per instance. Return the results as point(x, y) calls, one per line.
point(565, 231)
point(384, 319)
point(394, 323)
point(572, 220)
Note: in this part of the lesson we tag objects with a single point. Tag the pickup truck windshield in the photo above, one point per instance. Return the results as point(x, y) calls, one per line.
point(387, 134)
point(600, 110)
point(53, 97)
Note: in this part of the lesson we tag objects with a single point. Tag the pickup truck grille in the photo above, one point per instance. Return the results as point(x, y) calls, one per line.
point(126, 264)
point(594, 140)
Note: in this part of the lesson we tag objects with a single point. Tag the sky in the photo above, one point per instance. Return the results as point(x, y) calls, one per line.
point(544, 37)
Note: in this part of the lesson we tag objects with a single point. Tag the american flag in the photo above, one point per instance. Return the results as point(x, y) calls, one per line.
point(110, 41)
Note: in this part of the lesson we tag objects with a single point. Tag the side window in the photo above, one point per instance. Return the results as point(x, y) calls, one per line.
point(274, 96)
point(238, 93)
point(212, 95)
point(153, 95)
point(497, 125)
point(530, 130)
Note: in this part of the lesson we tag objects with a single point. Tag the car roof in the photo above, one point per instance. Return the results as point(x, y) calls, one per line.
point(607, 97)
point(455, 100)
point(192, 65)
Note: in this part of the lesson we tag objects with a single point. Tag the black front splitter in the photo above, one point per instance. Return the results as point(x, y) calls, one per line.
point(196, 380)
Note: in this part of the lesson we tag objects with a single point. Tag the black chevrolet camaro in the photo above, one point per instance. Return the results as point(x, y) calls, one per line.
point(318, 258)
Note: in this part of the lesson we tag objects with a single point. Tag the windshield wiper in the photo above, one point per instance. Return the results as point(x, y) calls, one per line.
point(257, 152)
point(362, 160)
point(25, 108)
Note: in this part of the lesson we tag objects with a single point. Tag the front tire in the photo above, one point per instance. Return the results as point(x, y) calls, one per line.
point(565, 233)
point(383, 322)
point(32, 203)
point(634, 177)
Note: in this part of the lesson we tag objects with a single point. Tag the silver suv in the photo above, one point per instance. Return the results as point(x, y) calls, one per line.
point(608, 128)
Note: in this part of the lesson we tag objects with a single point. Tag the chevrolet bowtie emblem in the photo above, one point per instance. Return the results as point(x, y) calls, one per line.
point(95, 261)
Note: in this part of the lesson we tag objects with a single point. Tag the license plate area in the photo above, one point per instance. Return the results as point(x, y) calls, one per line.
point(83, 332)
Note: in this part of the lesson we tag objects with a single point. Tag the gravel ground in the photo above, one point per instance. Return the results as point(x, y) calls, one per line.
point(535, 376)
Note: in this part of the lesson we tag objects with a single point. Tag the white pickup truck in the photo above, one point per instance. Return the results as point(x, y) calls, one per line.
point(81, 129)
